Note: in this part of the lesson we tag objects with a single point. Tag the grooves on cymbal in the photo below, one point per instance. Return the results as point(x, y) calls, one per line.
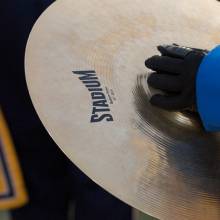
point(160, 162)
point(192, 164)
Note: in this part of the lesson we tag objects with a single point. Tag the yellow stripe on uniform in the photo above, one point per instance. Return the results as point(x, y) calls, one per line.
point(12, 188)
point(3, 184)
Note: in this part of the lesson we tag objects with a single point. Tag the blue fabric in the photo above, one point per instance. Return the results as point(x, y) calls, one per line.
point(208, 90)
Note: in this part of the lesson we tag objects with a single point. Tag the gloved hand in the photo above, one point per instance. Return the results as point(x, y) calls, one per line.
point(175, 74)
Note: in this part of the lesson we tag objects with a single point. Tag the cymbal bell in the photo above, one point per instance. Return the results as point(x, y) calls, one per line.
point(86, 76)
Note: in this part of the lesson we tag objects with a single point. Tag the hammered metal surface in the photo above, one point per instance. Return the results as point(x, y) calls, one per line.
point(162, 163)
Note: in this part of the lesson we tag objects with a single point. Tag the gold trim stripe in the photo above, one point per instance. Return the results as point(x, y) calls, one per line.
point(11, 181)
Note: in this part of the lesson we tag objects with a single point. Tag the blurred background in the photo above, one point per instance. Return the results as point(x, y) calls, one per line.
point(139, 216)
point(37, 181)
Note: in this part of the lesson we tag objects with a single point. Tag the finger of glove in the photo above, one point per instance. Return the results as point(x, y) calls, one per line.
point(165, 82)
point(165, 64)
point(168, 102)
point(203, 51)
point(174, 50)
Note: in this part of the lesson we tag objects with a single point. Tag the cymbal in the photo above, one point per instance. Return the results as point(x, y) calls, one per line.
point(86, 76)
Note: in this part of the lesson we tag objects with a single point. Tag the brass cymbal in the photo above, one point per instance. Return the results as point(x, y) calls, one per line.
point(86, 76)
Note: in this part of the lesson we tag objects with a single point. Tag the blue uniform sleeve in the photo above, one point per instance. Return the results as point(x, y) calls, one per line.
point(208, 90)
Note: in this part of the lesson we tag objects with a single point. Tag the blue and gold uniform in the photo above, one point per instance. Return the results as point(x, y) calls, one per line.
point(12, 188)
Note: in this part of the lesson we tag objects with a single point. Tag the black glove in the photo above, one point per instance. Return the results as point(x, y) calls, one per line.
point(175, 73)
